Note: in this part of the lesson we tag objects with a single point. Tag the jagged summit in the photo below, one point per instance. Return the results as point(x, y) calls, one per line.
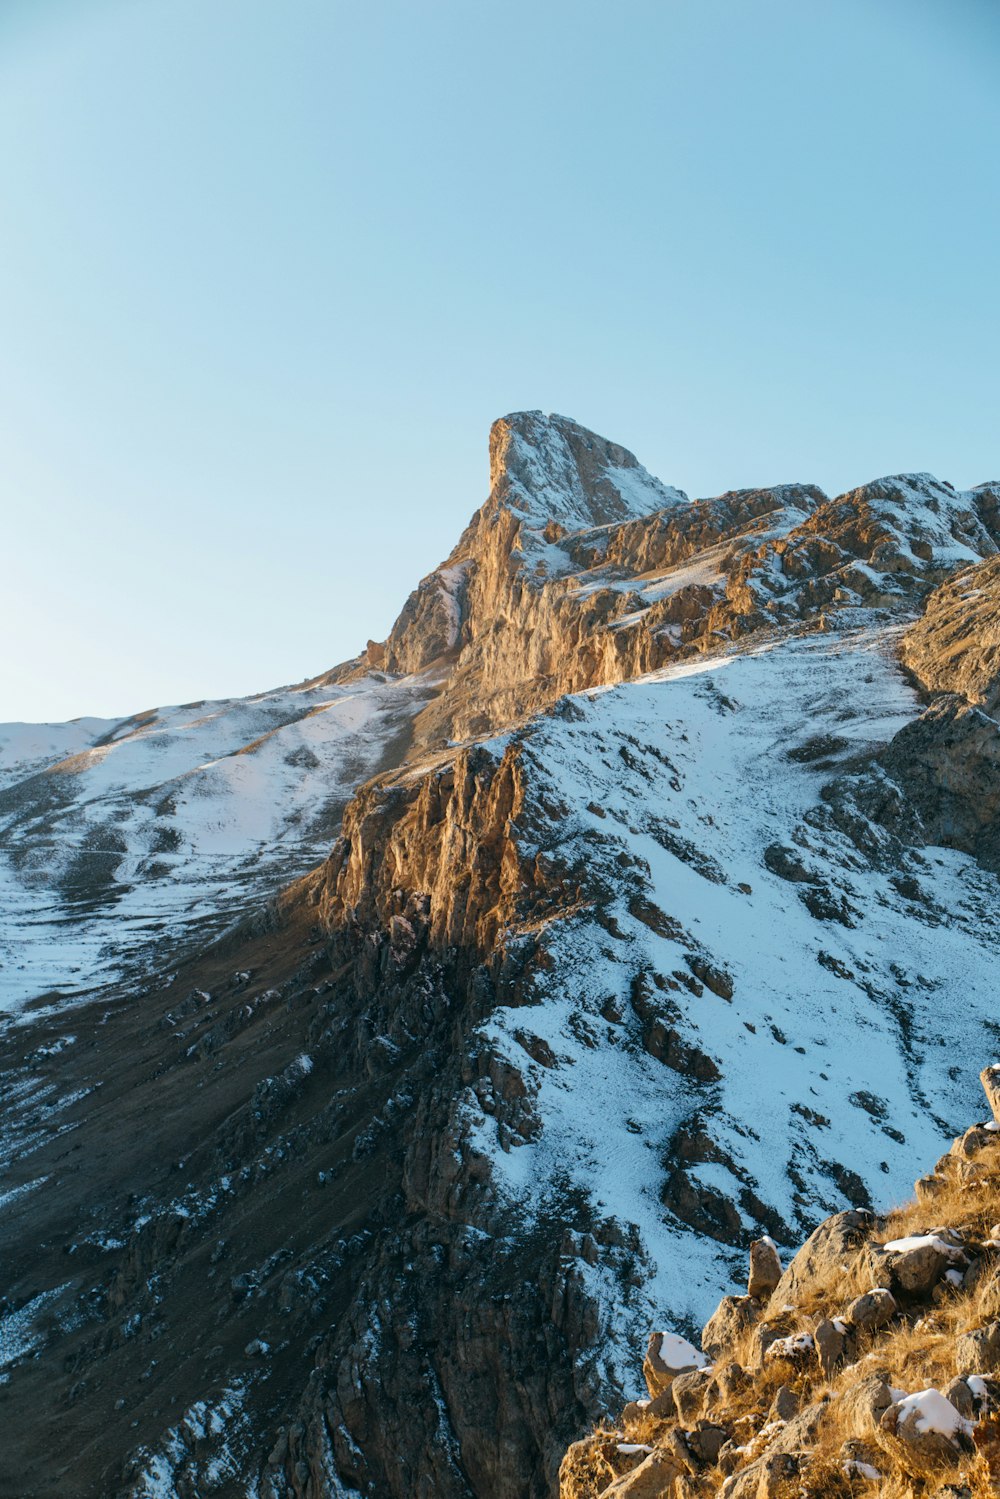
point(552, 471)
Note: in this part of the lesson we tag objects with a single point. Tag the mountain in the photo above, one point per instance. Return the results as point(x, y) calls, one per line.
point(439, 1026)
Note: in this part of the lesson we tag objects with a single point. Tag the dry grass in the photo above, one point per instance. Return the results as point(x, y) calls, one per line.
point(915, 1352)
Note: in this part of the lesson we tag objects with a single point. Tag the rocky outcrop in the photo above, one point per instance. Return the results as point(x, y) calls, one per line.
point(845, 1422)
point(581, 570)
point(945, 763)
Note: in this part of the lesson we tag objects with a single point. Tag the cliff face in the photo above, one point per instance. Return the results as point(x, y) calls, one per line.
point(581, 570)
point(378, 1194)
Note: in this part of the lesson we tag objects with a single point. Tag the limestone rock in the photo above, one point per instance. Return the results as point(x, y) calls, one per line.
point(837, 1239)
point(765, 1269)
point(732, 1316)
point(874, 1310)
point(979, 1351)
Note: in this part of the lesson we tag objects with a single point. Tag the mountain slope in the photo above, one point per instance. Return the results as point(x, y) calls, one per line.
point(375, 1194)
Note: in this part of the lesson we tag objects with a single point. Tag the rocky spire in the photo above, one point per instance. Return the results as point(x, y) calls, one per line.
point(550, 470)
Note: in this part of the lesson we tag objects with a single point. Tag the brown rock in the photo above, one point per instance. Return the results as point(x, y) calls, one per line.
point(978, 1352)
point(652, 1479)
point(732, 1316)
point(765, 1269)
point(873, 1310)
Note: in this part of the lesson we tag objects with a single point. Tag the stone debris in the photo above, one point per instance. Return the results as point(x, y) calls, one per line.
point(715, 1441)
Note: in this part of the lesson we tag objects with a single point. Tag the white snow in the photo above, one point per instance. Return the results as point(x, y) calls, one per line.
point(813, 1019)
point(920, 1241)
point(186, 817)
point(934, 1413)
point(677, 1353)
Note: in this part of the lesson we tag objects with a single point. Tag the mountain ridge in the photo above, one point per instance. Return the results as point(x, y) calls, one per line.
point(440, 1119)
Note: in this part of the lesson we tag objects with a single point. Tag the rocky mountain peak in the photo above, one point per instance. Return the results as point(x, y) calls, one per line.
point(549, 469)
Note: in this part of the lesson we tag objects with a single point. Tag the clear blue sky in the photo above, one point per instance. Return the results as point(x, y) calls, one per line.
point(269, 268)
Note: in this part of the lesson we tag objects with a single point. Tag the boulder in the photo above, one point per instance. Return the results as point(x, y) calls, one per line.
point(864, 1404)
point(873, 1310)
point(765, 1269)
point(925, 1430)
point(837, 1239)
point(978, 1351)
point(652, 1479)
point(990, 1079)
point(668, 1355)
point(732, 1316)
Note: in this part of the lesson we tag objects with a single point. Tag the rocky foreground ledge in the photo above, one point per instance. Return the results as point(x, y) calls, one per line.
point(870, 1365)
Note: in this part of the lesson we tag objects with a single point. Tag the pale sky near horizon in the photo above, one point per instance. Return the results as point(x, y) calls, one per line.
point(270, 268)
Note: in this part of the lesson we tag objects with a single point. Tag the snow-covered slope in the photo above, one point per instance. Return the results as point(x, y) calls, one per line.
point(119, 839)
point(757, 1025)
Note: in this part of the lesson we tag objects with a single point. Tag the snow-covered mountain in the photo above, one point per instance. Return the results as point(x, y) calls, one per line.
point(123, 839)
point(642, 902)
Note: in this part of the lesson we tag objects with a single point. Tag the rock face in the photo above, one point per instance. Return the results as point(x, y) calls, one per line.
point(378, 1192)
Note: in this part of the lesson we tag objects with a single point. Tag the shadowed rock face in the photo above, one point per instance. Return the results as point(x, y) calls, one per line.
point(946, 763)
point(377, 1194)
